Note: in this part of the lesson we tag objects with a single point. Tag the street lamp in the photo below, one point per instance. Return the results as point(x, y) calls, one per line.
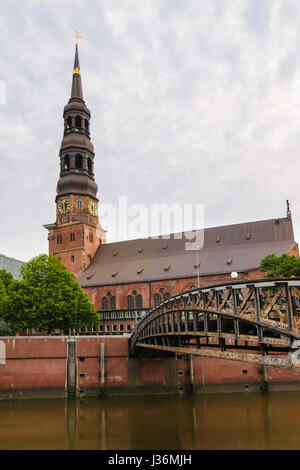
point(198, 270)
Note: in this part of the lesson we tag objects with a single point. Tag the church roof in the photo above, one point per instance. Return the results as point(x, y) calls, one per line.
point(238, 247)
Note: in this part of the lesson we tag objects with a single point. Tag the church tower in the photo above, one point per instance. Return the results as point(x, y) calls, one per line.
point(76, 234)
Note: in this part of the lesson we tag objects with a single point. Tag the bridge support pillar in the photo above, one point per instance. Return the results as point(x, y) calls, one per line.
point(191, 370)
point(264, 369)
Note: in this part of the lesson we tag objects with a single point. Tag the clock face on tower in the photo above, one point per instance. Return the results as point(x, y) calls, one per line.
point(93, 208)
point(64, 206)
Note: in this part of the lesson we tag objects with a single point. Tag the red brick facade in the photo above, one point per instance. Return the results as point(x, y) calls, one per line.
point(37, 367)
point(73, 241)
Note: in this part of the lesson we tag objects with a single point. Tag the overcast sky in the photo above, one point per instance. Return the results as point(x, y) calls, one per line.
point(192, 102)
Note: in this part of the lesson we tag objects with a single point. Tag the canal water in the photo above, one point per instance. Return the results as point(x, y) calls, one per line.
point(217, 421)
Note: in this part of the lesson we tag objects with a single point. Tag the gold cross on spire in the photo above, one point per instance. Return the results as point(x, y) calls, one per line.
point(77, 37)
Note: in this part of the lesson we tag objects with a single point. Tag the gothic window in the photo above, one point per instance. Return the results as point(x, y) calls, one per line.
point(157, 299)
point(130, 302)
point(89, 165)
point(91, 237)
point(67, 162)
point(139, 301)
point(104, 303)
point(113, 303)
point(167, 296)
point(69, 122)
point(78, 161)
point(78, 122)
point(86, 123)
point(79, 204)
point(73, 259)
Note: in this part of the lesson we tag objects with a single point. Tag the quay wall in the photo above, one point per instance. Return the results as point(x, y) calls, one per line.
point(37, 367)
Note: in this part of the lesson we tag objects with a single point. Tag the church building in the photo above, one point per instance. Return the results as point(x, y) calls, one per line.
point(125, 279)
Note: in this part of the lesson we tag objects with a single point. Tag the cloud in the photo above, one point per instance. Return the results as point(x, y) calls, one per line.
point(191, 102)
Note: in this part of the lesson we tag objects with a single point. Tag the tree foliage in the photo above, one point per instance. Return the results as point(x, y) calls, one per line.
point(47, 296)
point(280, 266)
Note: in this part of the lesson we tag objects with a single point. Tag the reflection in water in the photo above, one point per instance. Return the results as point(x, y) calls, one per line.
point(227, 421)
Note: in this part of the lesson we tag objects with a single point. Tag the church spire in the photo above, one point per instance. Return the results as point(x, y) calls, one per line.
point(76, 93)
point(77, 151)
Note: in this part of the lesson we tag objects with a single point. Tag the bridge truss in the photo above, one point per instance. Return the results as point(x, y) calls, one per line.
point(256, 322)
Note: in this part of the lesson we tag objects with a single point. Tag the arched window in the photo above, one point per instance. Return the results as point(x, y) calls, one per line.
point(79, 204)
point(87, 126)
point(67, 162)
point(167, 296)
point(69, 122)
point(89, 162)
point(104, 303)
point(157, 299)
point(78, 122)
point(113, 303)
point(78, 161)
point(130, 302)
point(139, 301)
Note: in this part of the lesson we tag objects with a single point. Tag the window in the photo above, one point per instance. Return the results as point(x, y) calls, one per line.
point(89, 162)
point(79, 204)
point(91, 237)
point(82, 359)
point(128, 328)
point(139, 301)
point(130, 302)
point(167, 296)
point(114, 328)
point(72, 236)
point(113, 303)
point(104, 303)
point(59, 239)
point(86, 123)
point(121, 328)
point(78, 122)
point(69, 122)
point(157, 299)
point(73, 259)
point(107, 328)
point(78, 161)
point(67, 162)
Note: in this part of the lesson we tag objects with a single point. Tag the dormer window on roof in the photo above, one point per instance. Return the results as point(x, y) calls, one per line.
point(167, 268)
point(248, 236)
point(165, 246)
point(141, 250)
point(115, 274)
point(229, 261)
point(140, 271)
point(115, 254)
point(218, 239)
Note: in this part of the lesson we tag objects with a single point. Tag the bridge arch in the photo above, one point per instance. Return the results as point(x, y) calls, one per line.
point(253, 321)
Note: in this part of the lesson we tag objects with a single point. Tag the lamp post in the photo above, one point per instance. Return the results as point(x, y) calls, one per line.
point(198, 271)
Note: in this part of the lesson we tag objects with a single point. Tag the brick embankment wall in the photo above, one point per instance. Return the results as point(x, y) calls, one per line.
point(36, 367)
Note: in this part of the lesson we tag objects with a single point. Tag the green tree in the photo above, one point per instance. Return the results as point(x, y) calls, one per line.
point(6, 278)
point(4, 329)
point(47, 296)
point(280, 266)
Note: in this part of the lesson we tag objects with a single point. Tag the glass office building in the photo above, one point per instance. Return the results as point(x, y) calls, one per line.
point(11, 265)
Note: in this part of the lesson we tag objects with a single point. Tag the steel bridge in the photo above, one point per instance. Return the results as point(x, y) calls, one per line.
point(256, 322)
